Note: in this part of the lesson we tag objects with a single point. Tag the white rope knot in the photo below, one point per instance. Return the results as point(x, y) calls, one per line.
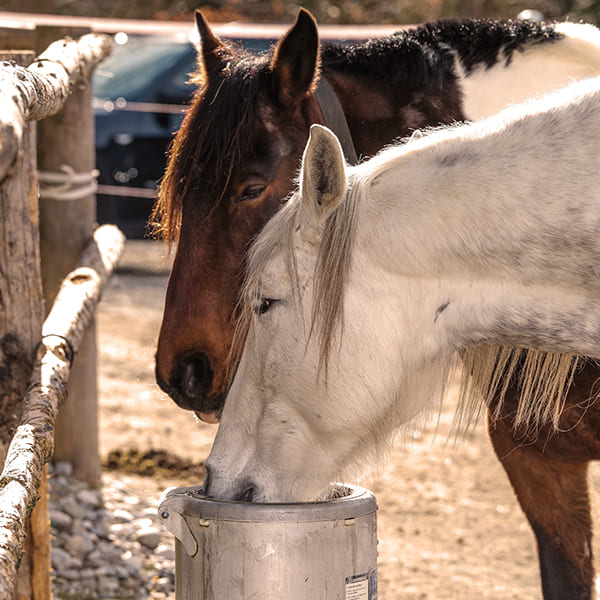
point(66, 184)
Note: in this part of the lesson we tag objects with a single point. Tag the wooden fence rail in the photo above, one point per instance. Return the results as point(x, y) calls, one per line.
point(31, 356)
point(41, 90)
point(33, 442)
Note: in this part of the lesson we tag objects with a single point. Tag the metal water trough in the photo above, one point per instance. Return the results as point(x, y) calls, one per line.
point(242, 551)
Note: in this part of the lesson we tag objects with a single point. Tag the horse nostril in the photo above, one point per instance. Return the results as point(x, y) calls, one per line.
point(247, 495)
point(194, 374)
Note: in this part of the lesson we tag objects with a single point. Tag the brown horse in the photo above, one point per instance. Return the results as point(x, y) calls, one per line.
point(232, 165)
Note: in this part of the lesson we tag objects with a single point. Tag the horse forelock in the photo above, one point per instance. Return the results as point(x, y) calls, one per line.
point(332, 272)
point(214, 136)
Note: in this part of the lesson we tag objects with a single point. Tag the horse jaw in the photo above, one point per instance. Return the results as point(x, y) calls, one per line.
point(263, 451)
point(285, 435)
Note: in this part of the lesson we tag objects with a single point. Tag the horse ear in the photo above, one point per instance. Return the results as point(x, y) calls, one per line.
point(296, 60)
point(209, 58)
point(323, 177)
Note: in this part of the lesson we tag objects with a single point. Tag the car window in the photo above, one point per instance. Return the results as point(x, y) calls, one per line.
point(132, 68)
point(178, 87)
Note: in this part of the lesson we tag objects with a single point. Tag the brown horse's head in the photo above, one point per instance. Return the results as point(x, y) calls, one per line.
point(236, 155)
point(230, 167)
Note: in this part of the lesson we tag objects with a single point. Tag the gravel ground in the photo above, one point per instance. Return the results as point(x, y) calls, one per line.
point(107, 543)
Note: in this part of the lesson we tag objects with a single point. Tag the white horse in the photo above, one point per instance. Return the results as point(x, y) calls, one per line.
point(363, 287)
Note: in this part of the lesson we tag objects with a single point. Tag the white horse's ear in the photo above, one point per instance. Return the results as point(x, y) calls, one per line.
point(323, 178)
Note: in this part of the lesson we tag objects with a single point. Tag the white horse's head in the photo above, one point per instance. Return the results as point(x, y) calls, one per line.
point(291, 424)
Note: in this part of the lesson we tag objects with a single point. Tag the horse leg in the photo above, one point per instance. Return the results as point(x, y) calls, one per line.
point(554, 496)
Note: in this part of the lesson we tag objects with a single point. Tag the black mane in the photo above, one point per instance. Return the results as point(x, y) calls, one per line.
point(426, 51)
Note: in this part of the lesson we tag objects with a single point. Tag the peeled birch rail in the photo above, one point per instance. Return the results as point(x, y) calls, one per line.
point(33, 442)
point(40, 90)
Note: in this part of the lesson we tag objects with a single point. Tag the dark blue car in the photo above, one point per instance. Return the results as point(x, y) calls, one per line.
point(140, 93)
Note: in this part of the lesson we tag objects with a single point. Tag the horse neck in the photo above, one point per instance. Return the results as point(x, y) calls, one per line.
point(492, 217)
point(380, 107)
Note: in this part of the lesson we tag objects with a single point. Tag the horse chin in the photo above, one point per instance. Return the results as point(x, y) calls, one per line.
point(207, 409)
point(212, 417)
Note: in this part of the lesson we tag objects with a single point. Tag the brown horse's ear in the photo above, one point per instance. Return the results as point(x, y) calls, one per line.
point(295, 62)
point(208, 58)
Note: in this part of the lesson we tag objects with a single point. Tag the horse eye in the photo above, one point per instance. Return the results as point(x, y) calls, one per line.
point(251, 193)
point(264, 305)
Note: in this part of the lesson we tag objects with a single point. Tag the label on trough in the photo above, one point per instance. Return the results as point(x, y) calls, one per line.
point(362, 587)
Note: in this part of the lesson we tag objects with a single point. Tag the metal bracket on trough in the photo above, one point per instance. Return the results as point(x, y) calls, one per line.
point(170, 510)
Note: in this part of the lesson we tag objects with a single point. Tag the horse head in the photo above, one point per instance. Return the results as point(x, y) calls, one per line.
point(311, 398)
point(230, 168)
point(279, 438)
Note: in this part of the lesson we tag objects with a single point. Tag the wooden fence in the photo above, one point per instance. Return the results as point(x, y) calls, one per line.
point(44, 323)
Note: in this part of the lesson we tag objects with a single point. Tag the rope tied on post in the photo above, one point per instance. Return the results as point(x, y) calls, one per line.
point(67, 185)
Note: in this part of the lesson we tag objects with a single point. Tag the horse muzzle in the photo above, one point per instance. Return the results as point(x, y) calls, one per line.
point(189, 386)
point(237, 491)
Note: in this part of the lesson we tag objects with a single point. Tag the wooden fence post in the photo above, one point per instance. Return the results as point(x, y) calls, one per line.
point(66, 140)
point(33, 442)
point(20, 325)
point(21, 316)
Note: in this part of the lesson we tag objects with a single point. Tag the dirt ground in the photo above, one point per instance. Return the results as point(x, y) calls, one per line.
point(448, 522)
